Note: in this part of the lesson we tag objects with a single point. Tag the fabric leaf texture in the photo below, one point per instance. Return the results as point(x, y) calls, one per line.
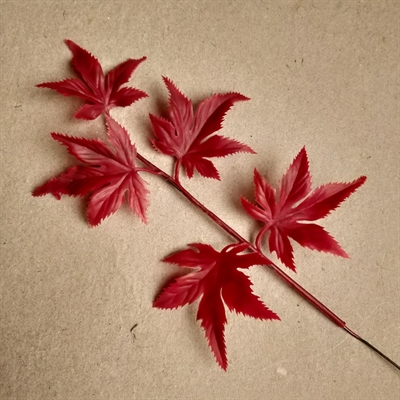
point(288, 213)
point(216, 279)
point(99, 91)
point(190, 137)
point(108, 174)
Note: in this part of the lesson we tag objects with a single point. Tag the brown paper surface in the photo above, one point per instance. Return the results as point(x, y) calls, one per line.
point(324, 74)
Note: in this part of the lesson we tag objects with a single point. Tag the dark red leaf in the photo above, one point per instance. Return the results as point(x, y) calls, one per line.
point(315, 237)
point(217, 281)
point(101, 93)
point(187, 136)
point(108, 174)
point(296, 205)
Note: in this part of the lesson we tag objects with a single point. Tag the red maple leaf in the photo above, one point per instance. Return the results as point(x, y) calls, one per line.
point(297, 204)
point(100, 92)
point(188, 137)
point(218, 281)
point(108, 174)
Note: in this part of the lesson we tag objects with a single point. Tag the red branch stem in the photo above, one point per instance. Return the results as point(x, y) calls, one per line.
point(293, 284)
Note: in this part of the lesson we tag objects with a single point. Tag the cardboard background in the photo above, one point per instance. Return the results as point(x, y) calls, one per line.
point(324, 74)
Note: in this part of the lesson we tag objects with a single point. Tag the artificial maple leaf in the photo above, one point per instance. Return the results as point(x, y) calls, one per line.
point(100, 92)
point(108, 174)
point(218, 281)
point(296, 203)
point(187, 137)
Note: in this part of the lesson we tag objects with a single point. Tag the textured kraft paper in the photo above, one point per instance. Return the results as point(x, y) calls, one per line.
point(324, 74)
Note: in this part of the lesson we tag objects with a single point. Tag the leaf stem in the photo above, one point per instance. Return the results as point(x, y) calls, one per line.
point(177, 167)
point(149, 170)
point(260, 236)
point(286, 278)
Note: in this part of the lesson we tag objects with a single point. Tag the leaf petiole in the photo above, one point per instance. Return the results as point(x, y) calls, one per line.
point(177, 167)
point(260, 235)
